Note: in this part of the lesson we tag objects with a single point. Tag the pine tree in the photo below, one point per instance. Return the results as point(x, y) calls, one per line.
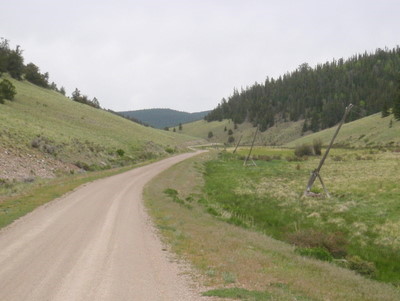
point(15, 64)
point(396, 103)
point(7, 90)
point(385, 110)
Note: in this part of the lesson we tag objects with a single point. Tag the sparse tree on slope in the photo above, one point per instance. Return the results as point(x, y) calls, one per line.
point(7, 90)
point(15, 65)
point(396, 103)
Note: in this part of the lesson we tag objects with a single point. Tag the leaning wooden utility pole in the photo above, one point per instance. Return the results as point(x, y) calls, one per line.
point(315, 173)
point(237, 144)
point(251, 149)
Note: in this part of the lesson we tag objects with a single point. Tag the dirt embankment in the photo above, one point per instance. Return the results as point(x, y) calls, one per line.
point(24, 166)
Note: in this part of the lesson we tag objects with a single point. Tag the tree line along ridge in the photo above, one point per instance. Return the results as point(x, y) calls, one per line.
point(370, 81)
point(12, 62)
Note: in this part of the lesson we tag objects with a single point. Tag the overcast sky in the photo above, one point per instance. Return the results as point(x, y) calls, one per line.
point(188, 55)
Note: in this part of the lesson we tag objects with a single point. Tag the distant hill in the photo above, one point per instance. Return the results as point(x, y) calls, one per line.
point(161, 118)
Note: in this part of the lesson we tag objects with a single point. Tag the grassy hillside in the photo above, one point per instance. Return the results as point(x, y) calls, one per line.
point(371, 131)
point(277, 135)
point(161, 118)
point(44, 125)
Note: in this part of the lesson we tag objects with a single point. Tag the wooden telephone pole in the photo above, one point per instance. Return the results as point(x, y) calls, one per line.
point(251, 149)
point(315, 173)
point(237, 144)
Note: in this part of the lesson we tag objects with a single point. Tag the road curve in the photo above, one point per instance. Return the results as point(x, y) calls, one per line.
point(96, 243)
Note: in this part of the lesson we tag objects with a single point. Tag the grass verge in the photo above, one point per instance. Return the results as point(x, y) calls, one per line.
point(228, 256)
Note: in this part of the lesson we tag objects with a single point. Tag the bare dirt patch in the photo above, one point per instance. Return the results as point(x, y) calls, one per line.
point(23, 165)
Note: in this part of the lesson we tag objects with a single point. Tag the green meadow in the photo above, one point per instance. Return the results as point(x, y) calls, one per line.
point(226, 232)
point(358, 226)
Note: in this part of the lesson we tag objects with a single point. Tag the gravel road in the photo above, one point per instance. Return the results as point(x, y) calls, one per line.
point(96, 243)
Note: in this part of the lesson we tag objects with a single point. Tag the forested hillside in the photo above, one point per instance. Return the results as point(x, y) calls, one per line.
point(161, 118)
point(319, 95)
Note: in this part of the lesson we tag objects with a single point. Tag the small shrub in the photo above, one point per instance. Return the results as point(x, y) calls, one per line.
point(82, 165)
point(50, 149)
point(335, 243)
point(228, 277)
point(171, 192)
point(5, 183)
point(120, 152)
point(174, 195)
point(211, 273)
point(303, 150)
point(231, 139)
point(210, 135)
point(317, 146)
point(7, 90)
point(361, 266)
point(212, 211)
point(169, 150)
point(230, 132)
point(35, 142)
point(318, 253)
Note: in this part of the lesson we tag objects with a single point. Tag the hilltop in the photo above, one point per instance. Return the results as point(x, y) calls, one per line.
point(161, 118)
point(43, 133)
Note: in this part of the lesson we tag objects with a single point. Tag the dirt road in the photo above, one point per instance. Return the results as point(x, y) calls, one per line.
point(93, 244)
